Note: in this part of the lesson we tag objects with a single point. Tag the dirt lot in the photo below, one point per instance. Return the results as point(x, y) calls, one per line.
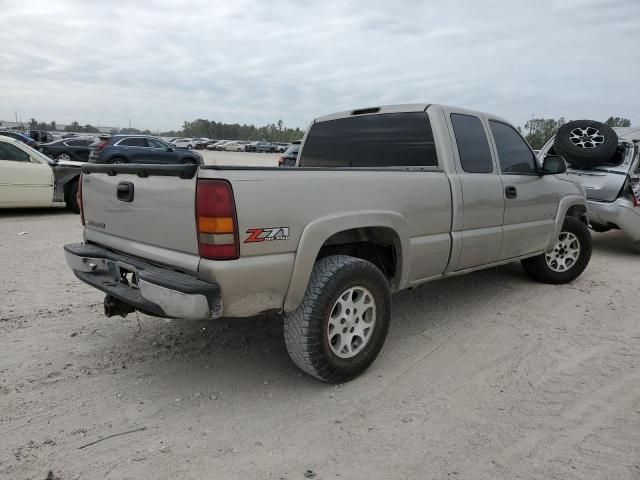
point(487, 376)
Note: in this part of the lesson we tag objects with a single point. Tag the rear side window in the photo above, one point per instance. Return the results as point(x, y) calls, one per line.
point(473, 146)
point(12, 153)
point(293, 149)
point(514, 153)
point(384, 140)
point(134, 142)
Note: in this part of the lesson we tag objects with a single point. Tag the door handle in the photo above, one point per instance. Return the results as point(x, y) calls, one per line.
point(511, 192)
point(125, 191)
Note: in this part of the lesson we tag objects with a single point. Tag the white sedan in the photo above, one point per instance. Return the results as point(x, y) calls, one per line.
point(237, 146)
point(30, 179)
point(187, 143)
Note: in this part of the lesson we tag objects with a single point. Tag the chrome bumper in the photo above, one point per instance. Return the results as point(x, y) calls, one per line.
point(150, 289)
point(621, 213)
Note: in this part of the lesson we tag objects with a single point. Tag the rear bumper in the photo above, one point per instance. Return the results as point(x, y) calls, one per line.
point(156, 291)
point(621, 213)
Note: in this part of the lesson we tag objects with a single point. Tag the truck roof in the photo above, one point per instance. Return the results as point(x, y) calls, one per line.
point(398, 108)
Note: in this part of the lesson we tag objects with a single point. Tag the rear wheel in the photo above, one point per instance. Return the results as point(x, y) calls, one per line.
point(189, 161)
point(118, 161)
point(341, 324)
point(568, 259)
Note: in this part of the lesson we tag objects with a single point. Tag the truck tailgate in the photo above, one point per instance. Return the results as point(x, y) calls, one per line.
point(146, 211)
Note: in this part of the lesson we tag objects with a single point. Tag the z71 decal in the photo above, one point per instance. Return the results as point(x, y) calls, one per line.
point(267, 234)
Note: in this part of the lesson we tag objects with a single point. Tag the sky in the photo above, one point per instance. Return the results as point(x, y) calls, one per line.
point(158, 63)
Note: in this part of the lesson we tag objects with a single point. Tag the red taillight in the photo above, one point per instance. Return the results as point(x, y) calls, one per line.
point(102, 145)
point(79, 200)
point(216, 222)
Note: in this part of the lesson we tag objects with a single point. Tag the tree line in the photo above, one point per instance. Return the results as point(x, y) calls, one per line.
point(536, 131)
point(274, 132)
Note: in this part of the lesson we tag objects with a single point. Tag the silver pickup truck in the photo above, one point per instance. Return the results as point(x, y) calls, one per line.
point(382, 199)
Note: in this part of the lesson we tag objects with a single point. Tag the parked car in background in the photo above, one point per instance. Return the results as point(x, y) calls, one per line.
point(235, 146)
point(281, 147)
point(288, 159)
point(139, 149)
point(260, 146)
point(187, 143)
point(219, 145)
point(42, 136)
point(69, 149)
point(28, 178)
point(20, 136)
point(606, 162)
point(200, 143)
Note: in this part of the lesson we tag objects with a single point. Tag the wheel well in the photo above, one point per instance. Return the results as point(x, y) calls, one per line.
point(378, 245)
point(579, 212)
point(67, 186)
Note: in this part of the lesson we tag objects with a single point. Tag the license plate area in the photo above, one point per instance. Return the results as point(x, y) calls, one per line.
point(124, 273)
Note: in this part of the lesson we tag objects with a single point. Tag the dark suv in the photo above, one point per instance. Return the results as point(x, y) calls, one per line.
point(139, 149)
point(289, 157)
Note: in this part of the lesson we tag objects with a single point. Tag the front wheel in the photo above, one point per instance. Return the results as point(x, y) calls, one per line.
point(568, 259)
point(63, 157)
point(341, 324)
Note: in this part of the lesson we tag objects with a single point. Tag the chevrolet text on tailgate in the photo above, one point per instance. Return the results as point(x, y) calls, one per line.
point(381, 199)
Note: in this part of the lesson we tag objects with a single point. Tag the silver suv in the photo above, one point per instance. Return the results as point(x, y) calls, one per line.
point(606, 162)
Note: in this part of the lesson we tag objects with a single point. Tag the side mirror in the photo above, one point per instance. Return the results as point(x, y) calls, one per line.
point(553, 165)
point(169, 149)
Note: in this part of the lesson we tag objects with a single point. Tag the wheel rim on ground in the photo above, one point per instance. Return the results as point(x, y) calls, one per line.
point(565, 253)
point(65, 157)
point(351, 322)
point(189, 162)
point(589, 137)
point(118, 162)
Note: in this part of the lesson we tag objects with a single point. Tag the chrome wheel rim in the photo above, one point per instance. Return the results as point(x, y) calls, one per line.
point(64, 157)
point(351, 322)
point(589, 137)
point(118, 162)
point(565, 253)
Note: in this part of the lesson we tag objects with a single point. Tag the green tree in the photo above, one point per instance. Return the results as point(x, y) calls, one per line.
point(74, 127)
point(33, 124)
point(618, 122)
point(90, 129)
point(53, 126)
point(539, 130)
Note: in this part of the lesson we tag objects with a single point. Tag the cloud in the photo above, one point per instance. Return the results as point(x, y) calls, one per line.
point(163, 62)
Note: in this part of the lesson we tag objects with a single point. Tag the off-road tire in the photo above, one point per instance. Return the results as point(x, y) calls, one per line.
point(580, 157)
point(305, 329)
point(537, 267)
point(72, 197)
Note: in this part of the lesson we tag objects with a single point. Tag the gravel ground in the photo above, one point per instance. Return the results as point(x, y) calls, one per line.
point(486, 376)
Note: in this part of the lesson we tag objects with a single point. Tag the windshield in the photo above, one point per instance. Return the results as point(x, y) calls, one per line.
point(35, 153)
point(293, 149)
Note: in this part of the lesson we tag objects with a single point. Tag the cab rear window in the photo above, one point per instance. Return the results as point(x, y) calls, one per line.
point(382, 140)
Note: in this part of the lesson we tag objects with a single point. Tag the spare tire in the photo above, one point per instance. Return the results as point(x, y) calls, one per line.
point(585, 143)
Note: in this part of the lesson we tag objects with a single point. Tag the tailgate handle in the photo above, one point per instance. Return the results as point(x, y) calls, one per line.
point(125, 191)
